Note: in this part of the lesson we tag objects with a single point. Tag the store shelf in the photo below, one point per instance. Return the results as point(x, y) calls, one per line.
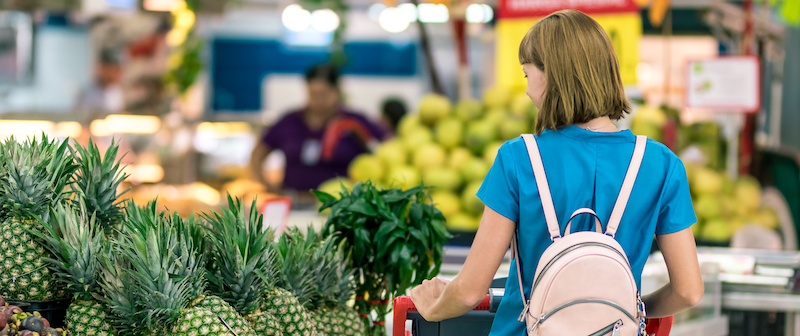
point(713, 326)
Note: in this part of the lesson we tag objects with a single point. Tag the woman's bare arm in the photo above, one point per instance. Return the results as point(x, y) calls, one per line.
point(685, 287)
point(436, 300)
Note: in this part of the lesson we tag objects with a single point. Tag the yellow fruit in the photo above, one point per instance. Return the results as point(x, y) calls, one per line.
point(767, 218)
point(717, 230)
point(478, 135)
point(474, 170)
point(442, 178)
point(429, 156)
point(650, 115)
point(366, 167)
point(462, 222)
point(402, 176)
point(469, 199)
point(469, 109)
point(416, 139)
point(432, 108)
point(512, 128)
point(334, 186)
point(491, 152)
point(706, 181)
point(521, 106)
point(747, 192)
point(708, 206)
point(408, 123)
point(392, 153)
point(450, 133)
point(497, 97)
point(496, 117)
point(447, 202)
point(458, 156)
point(648, 129)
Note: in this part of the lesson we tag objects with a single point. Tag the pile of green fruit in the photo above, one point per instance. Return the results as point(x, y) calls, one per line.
point(450, 148)
point(724, 206)
point(15, 322)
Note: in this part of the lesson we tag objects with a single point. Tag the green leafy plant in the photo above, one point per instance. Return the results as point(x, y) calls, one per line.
point(395, 239)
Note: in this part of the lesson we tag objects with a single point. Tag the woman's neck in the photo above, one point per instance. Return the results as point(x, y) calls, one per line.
point(319, 119)
point(601, 125)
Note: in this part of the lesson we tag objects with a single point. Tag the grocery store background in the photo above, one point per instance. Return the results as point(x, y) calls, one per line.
point(189, 91)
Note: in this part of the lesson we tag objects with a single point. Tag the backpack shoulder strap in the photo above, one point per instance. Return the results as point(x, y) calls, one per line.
point(627, 185)
point(544, 188)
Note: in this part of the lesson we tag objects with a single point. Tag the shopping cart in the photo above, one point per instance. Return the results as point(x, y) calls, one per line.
point(478, 322)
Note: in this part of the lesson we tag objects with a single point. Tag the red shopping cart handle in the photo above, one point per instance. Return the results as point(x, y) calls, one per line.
point(403, 305)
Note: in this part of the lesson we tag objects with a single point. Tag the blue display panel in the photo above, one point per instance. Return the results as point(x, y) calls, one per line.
point(238, 66)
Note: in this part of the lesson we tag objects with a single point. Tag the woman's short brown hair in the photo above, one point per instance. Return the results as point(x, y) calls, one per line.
point(581, 67)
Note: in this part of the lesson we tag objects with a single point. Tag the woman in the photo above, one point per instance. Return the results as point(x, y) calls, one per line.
point(573, 78)
point(320, 140)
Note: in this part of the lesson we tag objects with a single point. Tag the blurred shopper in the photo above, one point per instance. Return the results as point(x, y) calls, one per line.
point(392, 110)
point(104, 95)
point(573, 78)
point(319, 140)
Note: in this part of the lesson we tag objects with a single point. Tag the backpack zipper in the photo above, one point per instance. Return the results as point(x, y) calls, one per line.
point(570, 249)
point(612, 328)
point(545, 316)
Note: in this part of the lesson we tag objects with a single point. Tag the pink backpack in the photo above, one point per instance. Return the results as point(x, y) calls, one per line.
point(583, 284)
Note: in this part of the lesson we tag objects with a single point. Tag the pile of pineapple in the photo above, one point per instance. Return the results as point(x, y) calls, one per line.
point(137, 270)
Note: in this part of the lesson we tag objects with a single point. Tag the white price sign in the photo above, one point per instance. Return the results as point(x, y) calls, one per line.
point(730, 84)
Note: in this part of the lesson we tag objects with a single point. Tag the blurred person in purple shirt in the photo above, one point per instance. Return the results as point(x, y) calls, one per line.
point(319, 140)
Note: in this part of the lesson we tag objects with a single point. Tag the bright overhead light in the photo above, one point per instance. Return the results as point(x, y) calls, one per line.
point(488, 12)
point(72, 129)
point(24, 128)
point(324, 20)
point(431, 13)
point(160, 5)
point(479, 13)
point(392, 20)
point(295, 18)
point(409, 11)
point(133, 124)
point(375, 10)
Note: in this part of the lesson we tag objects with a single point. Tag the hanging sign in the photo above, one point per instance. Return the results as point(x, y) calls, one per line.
point(730, 83)
point(508, 9)
point(624, 29)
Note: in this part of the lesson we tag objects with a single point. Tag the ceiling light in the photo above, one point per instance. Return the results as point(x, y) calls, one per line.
point(324, 20)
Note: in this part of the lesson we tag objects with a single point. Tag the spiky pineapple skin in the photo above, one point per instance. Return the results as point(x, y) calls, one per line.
point(327, 324)
point(293, 318)
point(88, 318)
point(200, 321)
point(24, 274)
point(265, 324)
point(224, 310)
point(350, 322)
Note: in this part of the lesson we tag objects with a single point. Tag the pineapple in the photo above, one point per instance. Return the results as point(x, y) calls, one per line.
point(154, 280)
point(315, 269)
point(76, 242)
point(34, 177)
point(98, 180)
point(242, 271)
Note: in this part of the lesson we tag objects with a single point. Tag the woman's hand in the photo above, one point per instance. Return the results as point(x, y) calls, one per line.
point(425, 296)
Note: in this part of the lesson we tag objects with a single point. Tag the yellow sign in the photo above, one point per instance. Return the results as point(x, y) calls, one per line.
point(624, 29)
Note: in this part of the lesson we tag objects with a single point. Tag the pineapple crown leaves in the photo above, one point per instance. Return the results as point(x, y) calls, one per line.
point(35, 176)
point(75, 242)
point(120, 292)
point(314, 268)
point(98, 179)
point(158, 269)
point(241, 258)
